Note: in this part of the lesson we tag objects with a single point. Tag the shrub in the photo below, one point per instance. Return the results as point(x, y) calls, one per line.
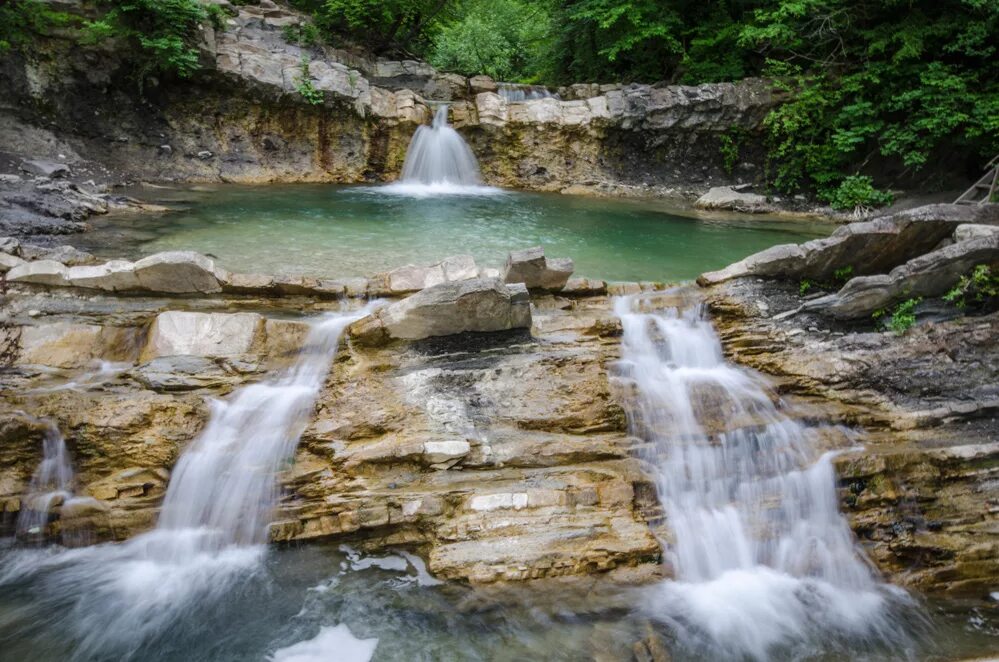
point(857, 192)
point(303, 83)
point(979, 286)
point(902, 318)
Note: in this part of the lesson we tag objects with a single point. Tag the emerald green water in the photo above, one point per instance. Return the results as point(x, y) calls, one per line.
point(327, 230)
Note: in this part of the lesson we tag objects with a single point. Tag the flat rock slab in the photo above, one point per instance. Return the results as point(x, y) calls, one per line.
point(536, 271)
point(175, 333)
point(476, 305)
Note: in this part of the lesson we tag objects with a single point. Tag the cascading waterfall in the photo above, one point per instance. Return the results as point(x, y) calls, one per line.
point(517, 92)
point(51, 484)
point(439, 161)
point(214, 520)
point(763, 559)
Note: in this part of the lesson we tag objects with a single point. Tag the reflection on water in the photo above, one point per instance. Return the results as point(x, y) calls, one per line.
point(327, 230)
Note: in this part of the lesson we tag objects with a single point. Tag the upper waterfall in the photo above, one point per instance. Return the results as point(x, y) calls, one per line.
point(439, 161)
point(764, 560)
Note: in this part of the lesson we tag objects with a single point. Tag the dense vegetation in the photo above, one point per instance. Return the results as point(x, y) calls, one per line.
point(879, 87)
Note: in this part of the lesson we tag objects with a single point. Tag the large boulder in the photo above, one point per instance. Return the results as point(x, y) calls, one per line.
point(726, 197)
point(180, 272)
point(535, 271)
point(868, 248)
point(412, 278)
point(477, 305)
point(925, 276)
point(212, 335)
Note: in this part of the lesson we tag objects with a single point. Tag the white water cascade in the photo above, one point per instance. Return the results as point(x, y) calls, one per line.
point(51, 484)
point(764, 561)
point(518, 92)
point(439, 162)
point(214, 521)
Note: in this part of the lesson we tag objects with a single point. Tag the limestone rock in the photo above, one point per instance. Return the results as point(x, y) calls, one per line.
point(113, 276)
point(928, 275)
point(179, 272)
point(476, 305)
point(68, 255)
point(44, 168)
point(177, 332)
point(868, 248)
point(975, 231)
point(69, 344)
point(411, 278)
point(725, 197)
point(535, 271)
point(42, 272)
point(182, 373)
point(8, 262)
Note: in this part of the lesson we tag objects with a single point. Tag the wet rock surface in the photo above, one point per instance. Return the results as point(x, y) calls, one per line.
point(920, 492)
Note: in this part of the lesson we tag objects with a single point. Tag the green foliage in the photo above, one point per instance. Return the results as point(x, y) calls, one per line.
point(164, 33)
point(804, 286)
point(21, 20)
point(979, 287)
point(505, 39)
point(303, 83)
point(856, 192)
point(303, 34)
point(902, 318)
point(843, 274)
point(386, 26)
point(729, 149)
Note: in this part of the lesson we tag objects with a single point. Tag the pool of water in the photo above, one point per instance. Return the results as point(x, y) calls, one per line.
point(336, 231)
point(323, 602)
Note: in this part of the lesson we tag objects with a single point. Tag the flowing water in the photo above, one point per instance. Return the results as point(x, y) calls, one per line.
point(212, 531)
point(763, 559)
point(517, 92)
point(51, 484)
point(439, 162)
point(337, 231)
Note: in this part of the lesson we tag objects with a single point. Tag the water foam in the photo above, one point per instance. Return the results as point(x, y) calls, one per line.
point(211, 534)
point(764, 562)
point(332, 643)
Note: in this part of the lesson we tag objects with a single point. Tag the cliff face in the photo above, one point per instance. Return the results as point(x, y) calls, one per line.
point(243, 119)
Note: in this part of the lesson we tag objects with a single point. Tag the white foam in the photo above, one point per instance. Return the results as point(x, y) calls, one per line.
point(437, 189)
point(332, 644)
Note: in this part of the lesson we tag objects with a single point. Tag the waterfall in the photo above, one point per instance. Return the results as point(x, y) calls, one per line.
point(51, 484)
point(439, 161)
point(763, 559)
point(215, 517)
point(517, 92)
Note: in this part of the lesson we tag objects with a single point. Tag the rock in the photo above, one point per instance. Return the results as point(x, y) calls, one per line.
point(975, 231)
point(535, 271)
point(175, 333)
point(42, 272)
point(249, 284)
point(868, 248)
point(66, 254)
point(583, 287)
point(182, 373)
point(44, 168)
point(179, 272)
point(482, 84)
point(411, 278)
point(726, 197)
point(8, 262)
point(113, 276)
point(477, 305)
point(10, 245)
point(445, 452)
point(928, 275)
point(71, 345)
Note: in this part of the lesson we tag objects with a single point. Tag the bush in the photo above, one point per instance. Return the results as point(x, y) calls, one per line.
point(857, 192)
point(21, 20)
point(978, 288)
point(165, 33)
point(902, 318)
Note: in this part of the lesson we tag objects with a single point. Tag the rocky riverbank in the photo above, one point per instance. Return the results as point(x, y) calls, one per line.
point(477, 407)
point(921, 492)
